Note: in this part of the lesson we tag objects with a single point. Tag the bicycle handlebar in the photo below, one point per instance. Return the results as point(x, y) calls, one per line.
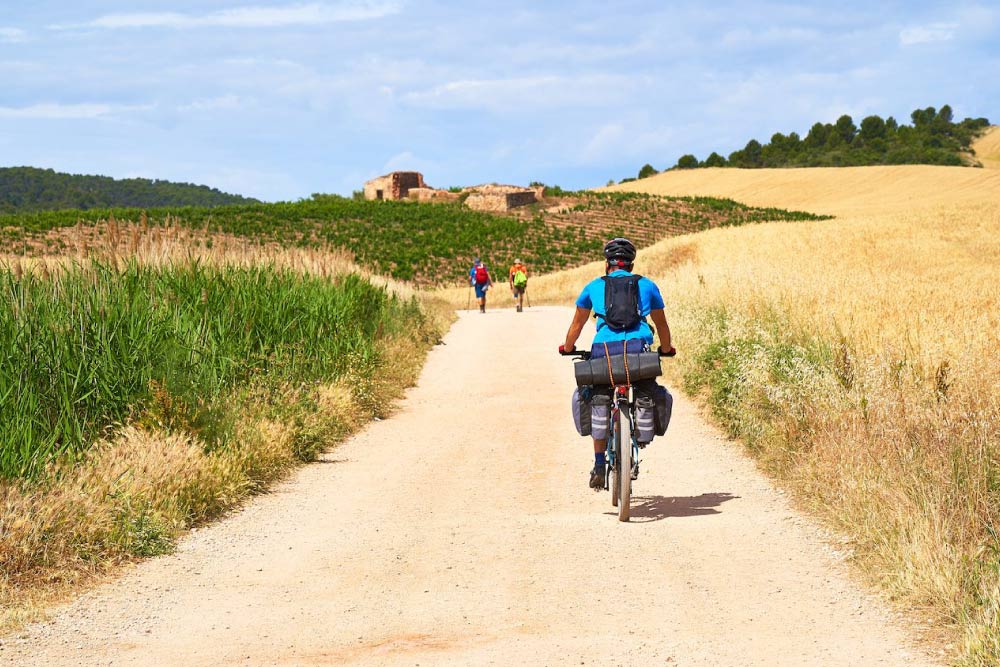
point(585, 354)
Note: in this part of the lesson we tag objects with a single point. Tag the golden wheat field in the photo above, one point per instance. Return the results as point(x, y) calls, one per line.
point(988, 149)
point(858, 359)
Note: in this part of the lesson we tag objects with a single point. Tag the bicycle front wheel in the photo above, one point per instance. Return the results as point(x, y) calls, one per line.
point(623, 442)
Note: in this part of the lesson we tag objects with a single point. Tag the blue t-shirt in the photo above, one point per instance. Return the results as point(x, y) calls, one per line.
point(592, 296)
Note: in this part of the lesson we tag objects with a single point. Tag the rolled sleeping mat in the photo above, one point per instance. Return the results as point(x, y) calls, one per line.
point(641, 366)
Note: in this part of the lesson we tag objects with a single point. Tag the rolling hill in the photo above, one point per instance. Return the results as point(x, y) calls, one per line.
point(26, 189)
point(840, 190)
point(988, 148)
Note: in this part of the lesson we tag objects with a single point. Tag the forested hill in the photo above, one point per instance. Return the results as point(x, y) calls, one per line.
point(31, 189)
point(934, 137)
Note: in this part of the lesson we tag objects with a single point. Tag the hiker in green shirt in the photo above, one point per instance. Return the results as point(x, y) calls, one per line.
point(518, 279)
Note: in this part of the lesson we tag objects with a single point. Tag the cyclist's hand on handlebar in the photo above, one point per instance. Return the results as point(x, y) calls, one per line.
point(563, 350)
point(667, 353)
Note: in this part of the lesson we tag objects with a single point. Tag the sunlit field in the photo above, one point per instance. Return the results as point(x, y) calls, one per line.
point(857, 358)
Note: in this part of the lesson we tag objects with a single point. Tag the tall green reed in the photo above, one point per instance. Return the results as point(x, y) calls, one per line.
point(94, 346)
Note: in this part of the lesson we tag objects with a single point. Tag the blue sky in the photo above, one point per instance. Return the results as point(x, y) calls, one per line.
point(278, 100)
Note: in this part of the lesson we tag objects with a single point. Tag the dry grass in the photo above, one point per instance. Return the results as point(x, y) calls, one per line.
point(832, 190)
point(988, 148)
point(116, 242)
point(857, 359)
point(132, 495)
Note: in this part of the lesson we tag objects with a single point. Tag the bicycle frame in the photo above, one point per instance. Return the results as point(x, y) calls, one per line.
point(616, 453)
point(621, 468)
point(621, 404)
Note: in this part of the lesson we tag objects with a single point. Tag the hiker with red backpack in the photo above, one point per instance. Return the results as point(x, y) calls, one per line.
point(480, 279)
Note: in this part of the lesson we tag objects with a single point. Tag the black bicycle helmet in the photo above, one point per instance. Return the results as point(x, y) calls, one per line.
point(619, 251)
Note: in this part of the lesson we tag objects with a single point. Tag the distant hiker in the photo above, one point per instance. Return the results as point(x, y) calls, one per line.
point(479, 278)
point(517, 276)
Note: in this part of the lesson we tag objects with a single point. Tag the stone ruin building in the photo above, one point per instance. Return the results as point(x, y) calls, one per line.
point(396, 185)
point(491, 198)
point(495, 198)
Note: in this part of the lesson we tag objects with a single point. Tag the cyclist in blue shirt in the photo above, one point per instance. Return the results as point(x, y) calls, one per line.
point(619, 254)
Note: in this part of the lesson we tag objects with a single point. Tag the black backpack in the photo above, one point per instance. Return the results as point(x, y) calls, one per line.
point(621, 302)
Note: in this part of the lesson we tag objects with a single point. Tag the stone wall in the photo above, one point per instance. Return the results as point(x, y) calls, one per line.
point(379, 188)
point(402, 181)
point(490, 197)
point(394, 186)
point(431, 194)
point(493, 203)
point(499, 198)
point(521, 198)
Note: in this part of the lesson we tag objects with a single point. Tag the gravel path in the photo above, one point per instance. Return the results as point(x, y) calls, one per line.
point(462, 532)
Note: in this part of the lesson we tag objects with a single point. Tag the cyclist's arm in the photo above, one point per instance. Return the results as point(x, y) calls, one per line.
point(576, 327)
point(662, 328)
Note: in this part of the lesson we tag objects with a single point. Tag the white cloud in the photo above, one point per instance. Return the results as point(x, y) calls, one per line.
point(925, 34)
point(407, 161)
point(224, 102)
point(67, 111)
point(636, 138)
point(524, 93)
point(265, 62)
point(742, 37)
point(248, 17)
point(13, 35)
point(607, 140)
point(549, 52)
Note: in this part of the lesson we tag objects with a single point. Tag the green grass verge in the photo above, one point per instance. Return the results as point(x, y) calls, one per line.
point(94, 347)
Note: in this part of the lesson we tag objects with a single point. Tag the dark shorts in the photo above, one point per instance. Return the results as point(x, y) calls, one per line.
point(519, 290)
point(481, 289)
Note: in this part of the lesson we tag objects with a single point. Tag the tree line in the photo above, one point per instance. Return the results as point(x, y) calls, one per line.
point(934, 137)
point(24, 189)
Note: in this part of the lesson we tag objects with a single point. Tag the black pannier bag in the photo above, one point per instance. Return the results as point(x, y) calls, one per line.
point(641, 366)
point(581, 410)
point(621, 302)
point(663, 406)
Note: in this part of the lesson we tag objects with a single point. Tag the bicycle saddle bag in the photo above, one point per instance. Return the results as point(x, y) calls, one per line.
point(622, 369)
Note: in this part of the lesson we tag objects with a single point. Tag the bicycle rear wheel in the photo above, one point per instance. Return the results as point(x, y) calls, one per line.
point(614, 469)
point(623, 441)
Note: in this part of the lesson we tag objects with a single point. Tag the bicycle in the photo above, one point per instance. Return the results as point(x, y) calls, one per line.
point(622, 447)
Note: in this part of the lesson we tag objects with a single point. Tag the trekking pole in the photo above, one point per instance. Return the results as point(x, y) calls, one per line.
point(468, 300)
point(528, 298)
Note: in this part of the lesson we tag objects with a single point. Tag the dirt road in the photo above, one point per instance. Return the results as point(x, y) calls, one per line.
point(462, 532)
